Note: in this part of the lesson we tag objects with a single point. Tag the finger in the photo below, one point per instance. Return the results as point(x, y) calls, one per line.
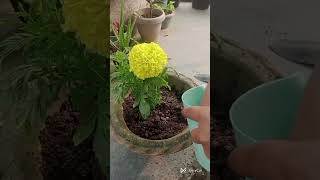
point(262, 160)
point(199, 136)
point(206, 148)
point(197, 113)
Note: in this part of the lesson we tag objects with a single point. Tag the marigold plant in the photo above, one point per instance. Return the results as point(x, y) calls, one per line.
point(142, 73)
point(147, 60)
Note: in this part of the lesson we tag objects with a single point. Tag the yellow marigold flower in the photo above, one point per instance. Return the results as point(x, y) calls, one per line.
point(147, 60)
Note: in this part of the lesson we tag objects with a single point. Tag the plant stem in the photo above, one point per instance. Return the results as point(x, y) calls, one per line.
point(151, 8)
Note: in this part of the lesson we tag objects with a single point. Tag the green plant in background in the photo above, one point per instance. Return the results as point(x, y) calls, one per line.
point(152, 5)
point(54, 59)
point(123, 32)
point(141, 73)
point(168, 9)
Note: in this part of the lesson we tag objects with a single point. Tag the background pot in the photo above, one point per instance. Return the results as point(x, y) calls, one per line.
point(176, 3)
point(140, 145)
point(167, 20)
point(200, 4)
point(149, 28)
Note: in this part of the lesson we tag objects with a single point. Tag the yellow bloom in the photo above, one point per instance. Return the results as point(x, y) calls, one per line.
point(147, 60)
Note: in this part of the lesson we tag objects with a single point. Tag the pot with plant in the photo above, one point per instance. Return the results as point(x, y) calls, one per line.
point(176, 3)
point(169, 11)
point(149, 22)
point(146, 106)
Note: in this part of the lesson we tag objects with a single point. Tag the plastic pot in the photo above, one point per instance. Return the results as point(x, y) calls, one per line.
point(167, 20)
point(193, 97)
point(149, 28)
point(200, 4)
point(267, 111)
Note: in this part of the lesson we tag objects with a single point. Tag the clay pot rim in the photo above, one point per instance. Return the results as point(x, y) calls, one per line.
point(155, 20)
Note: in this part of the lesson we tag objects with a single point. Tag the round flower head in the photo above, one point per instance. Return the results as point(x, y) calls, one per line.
point(147, 60)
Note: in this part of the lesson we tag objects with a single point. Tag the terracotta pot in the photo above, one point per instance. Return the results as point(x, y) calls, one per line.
point(167, 20)
point(149, 28)
point(140, 145)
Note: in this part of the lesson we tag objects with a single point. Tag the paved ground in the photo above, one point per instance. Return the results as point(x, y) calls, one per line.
point(187, 43)
point(187, 40)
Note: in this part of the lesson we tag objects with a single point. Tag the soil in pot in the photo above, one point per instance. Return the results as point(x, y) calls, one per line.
point(221, 146)
point(60, 158)
point(164, 122)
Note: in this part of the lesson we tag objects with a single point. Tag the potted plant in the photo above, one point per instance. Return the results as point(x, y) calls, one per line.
point(149, 22)
point(246, 69)
point(146, 106)
point(169, 11)
point(57, 92)
point(176, 3)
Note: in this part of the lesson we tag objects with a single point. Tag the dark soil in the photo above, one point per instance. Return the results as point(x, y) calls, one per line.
point(221, 146)
point(61, 159)
point(164, 122)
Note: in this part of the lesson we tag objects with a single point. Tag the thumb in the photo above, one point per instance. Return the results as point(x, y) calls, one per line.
point(264, 160)
point(197, 113)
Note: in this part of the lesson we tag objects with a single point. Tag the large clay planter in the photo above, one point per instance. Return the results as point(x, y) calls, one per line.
point(140, 145)
point(236, 70)
point(149, 28)
point(167, 20)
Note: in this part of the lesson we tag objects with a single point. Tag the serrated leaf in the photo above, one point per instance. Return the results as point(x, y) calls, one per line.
point(144, 108)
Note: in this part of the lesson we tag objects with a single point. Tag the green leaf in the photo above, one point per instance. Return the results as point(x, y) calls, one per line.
point(144, 108)
point(136, 102)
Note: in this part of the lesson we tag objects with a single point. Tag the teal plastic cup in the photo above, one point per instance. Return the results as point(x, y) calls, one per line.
point(268, 111)
point(193, 97)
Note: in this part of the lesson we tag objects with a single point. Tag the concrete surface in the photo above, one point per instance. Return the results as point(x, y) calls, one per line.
point(187, 40)
point(256, 23)
point(187, 43)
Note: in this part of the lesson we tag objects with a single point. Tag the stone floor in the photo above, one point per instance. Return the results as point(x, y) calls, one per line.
point(187, 43)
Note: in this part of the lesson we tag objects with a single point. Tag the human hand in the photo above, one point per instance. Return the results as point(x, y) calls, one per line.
point(200, 135)
point(278, 160)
